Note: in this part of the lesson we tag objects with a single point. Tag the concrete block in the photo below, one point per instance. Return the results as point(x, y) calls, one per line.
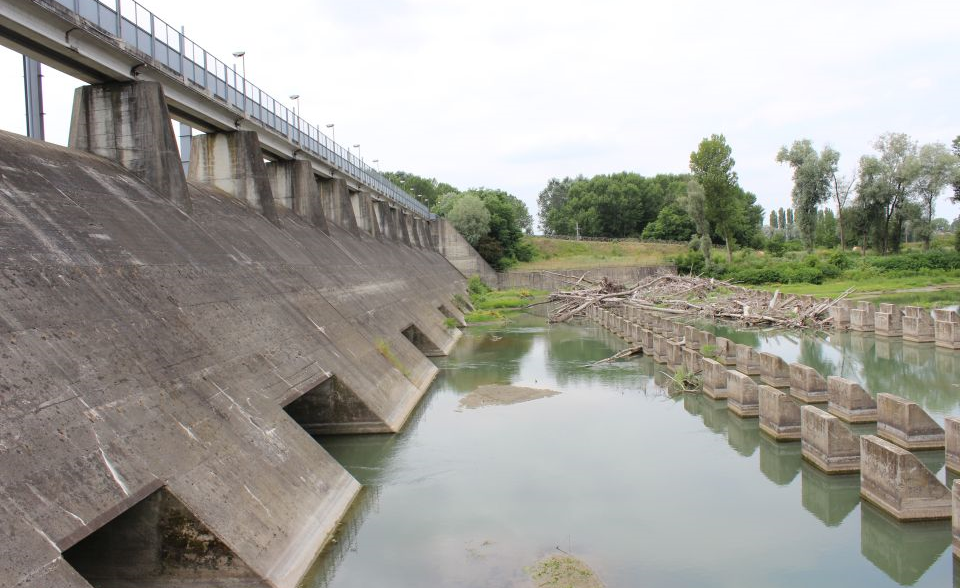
point(659, 353)
point(888, 321)
point(840, 313)
point(807, 385)
point(897, 481)
point(779, 414)
point(903, 422)
point(129, 123)
point(861, 317)
point(742, 395)
point(673, 353)
point(951, 426)
point(233, 162)
point(918, 325)
point(947, 329)
point(827, 443)
point(955, 519)
point(849, 401)
point(294, 187)
point(692, 361)
point(714, 379)
point(726, 351)
point(748, 360)
point(646, 340)
point(707, 338)
point(691, 337)
point(774, 371)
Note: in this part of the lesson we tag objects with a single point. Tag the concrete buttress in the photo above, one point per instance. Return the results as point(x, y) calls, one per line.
point(897, 481)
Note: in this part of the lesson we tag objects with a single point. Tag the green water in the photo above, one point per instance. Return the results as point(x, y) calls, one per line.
point(650, 490)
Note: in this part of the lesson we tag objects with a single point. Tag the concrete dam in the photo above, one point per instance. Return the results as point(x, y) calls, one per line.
point(170, 343)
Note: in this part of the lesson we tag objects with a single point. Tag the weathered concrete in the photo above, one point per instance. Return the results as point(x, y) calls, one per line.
point(827, 443)
point(748, 360)
point(646, 341)
point(849, 401)
point(129, 123)
point(691, 337)
point(895, 480)
point(157, 351)
point(742, 396)
point(726, 351)
point(561, 278)
point(807, 385)
point(955, 524)
point(947, 328)
point(714, 379)
point(888, 321)
point(840, 313)
point(708, 339)
point(862, 317)
point(458, 252)
point(295, 188)
point(659, 354)
point(673, 353)
point(774, 371)
point(692, 361)
point(779, 414)
point(903, 422)
point(917, 325)
point(951, 426)
point(233, 163)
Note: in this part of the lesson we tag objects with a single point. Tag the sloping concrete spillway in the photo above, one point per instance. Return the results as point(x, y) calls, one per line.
point(147, 356)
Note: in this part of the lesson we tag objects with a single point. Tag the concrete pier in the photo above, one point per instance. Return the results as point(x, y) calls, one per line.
point(897, 481)
point(659, 353)
point(918, 325)
point(951, 426)
point(807, 385)
point(742, 396)
point(673, 354)
point(947, 329)
point(646, 341)
point(726, 351)
point(849, 401)
point(692, 361)
point(708, 339)
point(827, 443)
point(779, 414)
point(862, 317)
point(295, 188)
point(748, 360)
point(233, 162)
point(714, 379)
point(774, 371)
point(888, 321)
point(903, 422)
point(840, 313)
point(691, 337)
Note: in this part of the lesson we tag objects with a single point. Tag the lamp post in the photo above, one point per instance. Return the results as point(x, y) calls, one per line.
point(357, 147)
point(333, 132)
point(242, 56)
point(376, 162)
point(296, 106)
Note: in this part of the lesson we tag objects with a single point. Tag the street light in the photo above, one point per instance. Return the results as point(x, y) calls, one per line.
point(296, 107)
point(357, 147)
point(376, 162)
point(333, 132)
point(241, 55)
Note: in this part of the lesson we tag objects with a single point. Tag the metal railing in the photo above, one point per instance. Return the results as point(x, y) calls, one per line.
point(136, 28)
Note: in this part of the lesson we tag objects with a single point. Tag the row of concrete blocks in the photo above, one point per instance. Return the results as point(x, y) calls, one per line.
point(889, 320)
point(891, 476)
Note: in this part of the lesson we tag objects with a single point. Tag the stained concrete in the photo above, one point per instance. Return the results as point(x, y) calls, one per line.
point(849, 401)
point(807, 385)
point(862, 317)
point(748, 360)
point(917, 325)
point(827, 443)
point(233, 163)
point(951, 427)
point(774, 371)
point(895, 480)
point(779, 414)
point(888, 321)
point(726, 351)
point(947, 329)
point(742, 395)
point(145, 348)
point(714, 379)
point(691, 337)
point(840, 313)
point(459, 252)
point(692, 361)
point(905, 423)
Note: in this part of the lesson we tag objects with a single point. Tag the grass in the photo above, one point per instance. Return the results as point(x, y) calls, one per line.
point(928, 291)
point(450, 323)
point(384, 348)
point(552, 254)
point(497, 305)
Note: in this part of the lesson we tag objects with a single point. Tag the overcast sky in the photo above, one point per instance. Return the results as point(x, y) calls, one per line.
point(508, 94)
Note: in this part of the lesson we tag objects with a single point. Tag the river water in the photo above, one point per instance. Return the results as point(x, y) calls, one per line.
point(648, 489)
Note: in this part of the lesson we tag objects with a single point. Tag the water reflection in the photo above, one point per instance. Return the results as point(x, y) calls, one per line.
point(903, 551)
point(830, 498)
point(779, 460)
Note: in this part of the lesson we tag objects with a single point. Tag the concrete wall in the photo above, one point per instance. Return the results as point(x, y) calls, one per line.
point(555, 279)
point(142, 348)
point(463, 257)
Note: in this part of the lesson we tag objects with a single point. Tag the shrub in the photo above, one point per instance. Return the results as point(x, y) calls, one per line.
point(776, 245)
point(476, 287)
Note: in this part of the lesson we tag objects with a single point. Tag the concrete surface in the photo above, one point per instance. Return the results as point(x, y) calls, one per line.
point(903, 422)
point(862, 317)
point(827, 443)
point(888, 321)
point(917, 325)
point(951, 429)
point(742, 395)
point(774, 371)
point(779, 414)
point(897, 481)
point(714, 379)
point(807, 385)
point(748, 360)
point(848, 401)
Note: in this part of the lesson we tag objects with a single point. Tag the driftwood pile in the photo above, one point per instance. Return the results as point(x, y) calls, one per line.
point(696, 296)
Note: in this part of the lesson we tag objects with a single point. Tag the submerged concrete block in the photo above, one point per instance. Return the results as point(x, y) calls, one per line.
point(748, 360)
point(897, 481)
point(951, 426)
point(779, 414)
point(742, 395)
point(774, 371)
point(903, 422)
point(714, 379)
point(129, 123)
point(807, 384)
point(917, 325)
point(888, 321)
point(861, 317)
point(947, 329)
point(691, 337)
point(849, 401)
point(827, 443)
point(726, 351)
point(233, 162)
point(692, 361)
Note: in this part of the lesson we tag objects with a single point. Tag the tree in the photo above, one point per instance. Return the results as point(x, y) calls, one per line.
point(782, 218)
point(712, 166)
point(552, 198)
point(827, 226)
point(937, 168)
point(790, 218)
point(841, 188)
point(886, 182)
point(956, 179)
point(695, 204)
point(426, 190)
point(811, 182)
point(469, 215)
point(672, 224)
point(773, 220)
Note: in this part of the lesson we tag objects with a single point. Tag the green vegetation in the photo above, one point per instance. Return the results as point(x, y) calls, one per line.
point(564, 571)
point(552, 254)
point(493, 305)
point(384, 348)
point(450, 323)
